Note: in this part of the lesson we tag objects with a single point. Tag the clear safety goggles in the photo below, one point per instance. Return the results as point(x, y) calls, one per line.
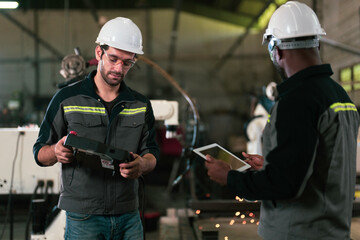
point(127, 64)
point(273, 42)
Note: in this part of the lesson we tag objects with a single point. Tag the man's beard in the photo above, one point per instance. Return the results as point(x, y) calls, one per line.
point(280, 70)
point(108, 80)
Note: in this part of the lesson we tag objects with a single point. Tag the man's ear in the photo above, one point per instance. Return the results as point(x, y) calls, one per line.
point(278, 54)
point(98, 52)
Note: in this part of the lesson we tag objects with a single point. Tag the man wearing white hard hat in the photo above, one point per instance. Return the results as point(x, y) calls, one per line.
point(306, 178)
point(102, 204)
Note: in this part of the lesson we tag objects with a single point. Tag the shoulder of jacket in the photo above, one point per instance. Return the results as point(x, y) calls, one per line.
point(138, 96)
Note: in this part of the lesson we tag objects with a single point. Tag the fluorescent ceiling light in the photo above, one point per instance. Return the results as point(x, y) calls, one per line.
point(8, 4)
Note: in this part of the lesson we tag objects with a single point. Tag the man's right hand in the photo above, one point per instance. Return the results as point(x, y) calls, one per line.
point(50, 154)
point(63, 154)
point(254, 160)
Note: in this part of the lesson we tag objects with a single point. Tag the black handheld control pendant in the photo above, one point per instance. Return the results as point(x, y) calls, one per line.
point(93, 154)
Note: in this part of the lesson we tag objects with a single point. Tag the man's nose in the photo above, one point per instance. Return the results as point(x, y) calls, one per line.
point(119, 66)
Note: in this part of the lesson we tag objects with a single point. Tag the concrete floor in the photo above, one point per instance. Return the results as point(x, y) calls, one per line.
point(157, 201)
point(171, 208)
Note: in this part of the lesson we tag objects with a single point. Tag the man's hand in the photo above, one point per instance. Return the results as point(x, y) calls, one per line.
point(217, 170)
point(255, 161)
point(50, 154)
point(63, 154)
point(139, 166)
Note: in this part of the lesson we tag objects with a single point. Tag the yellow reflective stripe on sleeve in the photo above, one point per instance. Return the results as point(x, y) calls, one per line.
point(268, 120)
point(133, 111)
point(84, 109)
point(343, 107)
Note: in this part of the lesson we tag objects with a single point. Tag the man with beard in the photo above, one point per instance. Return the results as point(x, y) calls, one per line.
point(98, 204)
point(306, 179)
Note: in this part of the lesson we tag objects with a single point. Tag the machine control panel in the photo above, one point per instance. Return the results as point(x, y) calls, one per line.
point(93, 154)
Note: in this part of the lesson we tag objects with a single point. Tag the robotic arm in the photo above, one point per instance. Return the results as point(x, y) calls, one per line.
point(167, 111)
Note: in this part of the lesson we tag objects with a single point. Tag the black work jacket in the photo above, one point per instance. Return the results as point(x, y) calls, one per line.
point(129, 127)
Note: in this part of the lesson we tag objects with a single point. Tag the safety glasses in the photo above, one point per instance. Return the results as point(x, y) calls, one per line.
point(113, 60)
point(273, 42)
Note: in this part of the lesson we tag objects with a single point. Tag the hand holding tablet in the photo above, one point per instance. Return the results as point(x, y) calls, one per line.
point(218, 152)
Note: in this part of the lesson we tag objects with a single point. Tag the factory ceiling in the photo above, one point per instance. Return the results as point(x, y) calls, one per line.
point(245, 13)
point(249, 14)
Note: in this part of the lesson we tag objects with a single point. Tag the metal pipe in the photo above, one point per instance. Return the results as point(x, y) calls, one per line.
point(149, 51)
point(187, 97)
point(174, 35)
point(196, 116)
point(340, 46)
point(36, 55)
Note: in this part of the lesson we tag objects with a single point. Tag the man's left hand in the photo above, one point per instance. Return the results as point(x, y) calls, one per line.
point(137, 167)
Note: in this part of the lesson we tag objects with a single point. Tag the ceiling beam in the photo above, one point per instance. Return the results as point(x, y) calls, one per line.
point(235, 45)
point(42, 42)
point(216, 13)
point(90, 5)
point(103, 4)
point(210, 9)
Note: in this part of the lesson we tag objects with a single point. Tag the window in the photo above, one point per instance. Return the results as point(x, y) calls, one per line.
point(350, 78)
point(356, 76)
point(345, 78)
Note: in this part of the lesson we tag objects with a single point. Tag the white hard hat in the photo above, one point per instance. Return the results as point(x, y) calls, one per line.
point(293, 20)
point(121, 33)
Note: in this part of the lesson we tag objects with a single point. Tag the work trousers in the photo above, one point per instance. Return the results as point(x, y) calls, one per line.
point(125, 226)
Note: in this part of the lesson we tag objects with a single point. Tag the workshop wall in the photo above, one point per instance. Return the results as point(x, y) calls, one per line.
point(341, 21)
point(200, 44)
point(223, 90)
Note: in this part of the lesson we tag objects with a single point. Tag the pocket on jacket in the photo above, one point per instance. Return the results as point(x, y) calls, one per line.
point(129, 132)
point(87, 125)
point(86, 120)
point(133, 121)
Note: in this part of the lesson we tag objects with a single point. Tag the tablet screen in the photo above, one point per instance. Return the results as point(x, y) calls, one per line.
point(221, 153)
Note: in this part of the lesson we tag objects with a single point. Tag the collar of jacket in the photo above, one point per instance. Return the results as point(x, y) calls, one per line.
point(304, 75)
point(125, 93)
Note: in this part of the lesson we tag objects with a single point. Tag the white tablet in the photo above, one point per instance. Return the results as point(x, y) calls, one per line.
point(218, 152)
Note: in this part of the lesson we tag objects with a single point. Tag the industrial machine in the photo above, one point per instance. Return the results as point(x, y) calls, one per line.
point(255, 126)
point(19, 173)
